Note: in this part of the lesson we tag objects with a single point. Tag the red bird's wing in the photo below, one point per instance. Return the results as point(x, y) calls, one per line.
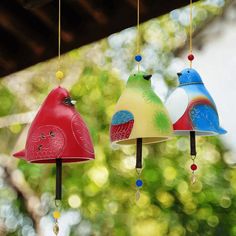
point(81, 134)
point(45, 143)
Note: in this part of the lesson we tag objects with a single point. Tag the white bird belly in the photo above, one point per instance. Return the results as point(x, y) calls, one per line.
point(177, 104)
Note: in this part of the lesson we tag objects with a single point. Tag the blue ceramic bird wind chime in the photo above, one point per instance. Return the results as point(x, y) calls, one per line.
point(193, 111)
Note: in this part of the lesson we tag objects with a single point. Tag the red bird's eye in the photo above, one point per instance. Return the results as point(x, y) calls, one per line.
point(68, 101)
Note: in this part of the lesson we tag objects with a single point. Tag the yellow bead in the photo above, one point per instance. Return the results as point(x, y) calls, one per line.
point(56, 214)
point(59, 75)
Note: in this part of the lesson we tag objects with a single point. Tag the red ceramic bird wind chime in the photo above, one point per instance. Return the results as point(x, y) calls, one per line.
point(57, 134)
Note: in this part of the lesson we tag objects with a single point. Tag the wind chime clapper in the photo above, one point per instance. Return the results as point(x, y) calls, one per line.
point(139, 166)
point(139, 118)
point(193, 154)
point(58, 195)
point(192, 109)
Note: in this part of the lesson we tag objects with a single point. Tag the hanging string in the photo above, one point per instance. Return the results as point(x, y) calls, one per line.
point(59, 34)
point(193, 152)
point(59, 73)
point(59, 77)
point(138, 57)
point(138, 29)
point(190, 55)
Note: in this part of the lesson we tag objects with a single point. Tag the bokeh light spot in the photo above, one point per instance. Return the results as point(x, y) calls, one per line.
point(213, 221)
point(165, 198)
point(169, 173)
point(74, 201)
point(99, 175)
point(225, 202)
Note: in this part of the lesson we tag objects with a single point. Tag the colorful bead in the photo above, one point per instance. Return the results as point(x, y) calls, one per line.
point(139, 183)
point(56, 229)
point(138, 58)
point(193, 179)
point(59, 75)
point(190, 57)
point(193, 167)
point(137, 195)
point(56, 214)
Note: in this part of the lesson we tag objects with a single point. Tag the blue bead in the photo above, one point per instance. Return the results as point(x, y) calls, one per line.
point(138, 58)
point(139, 183)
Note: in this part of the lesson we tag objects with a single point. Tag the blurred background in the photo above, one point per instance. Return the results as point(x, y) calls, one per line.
point(99, 196)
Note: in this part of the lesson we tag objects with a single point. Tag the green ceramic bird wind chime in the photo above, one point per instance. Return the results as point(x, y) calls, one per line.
point(129, 125)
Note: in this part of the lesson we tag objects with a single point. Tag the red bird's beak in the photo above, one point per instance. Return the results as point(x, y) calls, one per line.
point(20, 154)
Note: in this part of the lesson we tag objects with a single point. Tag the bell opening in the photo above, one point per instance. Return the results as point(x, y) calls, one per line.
point(146, 140)
point(64, 160)
point(197, 133)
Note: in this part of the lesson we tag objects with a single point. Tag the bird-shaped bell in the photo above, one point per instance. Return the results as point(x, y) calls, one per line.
point(140, 118)
point(57, 134)
point(192, 110)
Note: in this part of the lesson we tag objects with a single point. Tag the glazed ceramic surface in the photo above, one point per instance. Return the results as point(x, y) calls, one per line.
point(140, 113)
point(58, 131)
point(192, 108)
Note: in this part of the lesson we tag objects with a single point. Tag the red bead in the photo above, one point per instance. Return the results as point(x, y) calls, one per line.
point(190, 57)
point(193, 167)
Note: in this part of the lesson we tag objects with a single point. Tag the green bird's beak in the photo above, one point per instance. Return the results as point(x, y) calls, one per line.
point(147, 77)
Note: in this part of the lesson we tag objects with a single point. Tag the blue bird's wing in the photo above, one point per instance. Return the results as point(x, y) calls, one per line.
point(205, 118)
point(121, 125)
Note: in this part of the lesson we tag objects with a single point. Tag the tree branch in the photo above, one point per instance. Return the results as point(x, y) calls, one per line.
point(15, 179)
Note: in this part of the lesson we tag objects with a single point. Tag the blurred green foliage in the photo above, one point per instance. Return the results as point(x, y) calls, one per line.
point(103, 191)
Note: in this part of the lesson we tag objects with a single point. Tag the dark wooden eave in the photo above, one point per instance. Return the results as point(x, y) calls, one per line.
point(28, 28)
